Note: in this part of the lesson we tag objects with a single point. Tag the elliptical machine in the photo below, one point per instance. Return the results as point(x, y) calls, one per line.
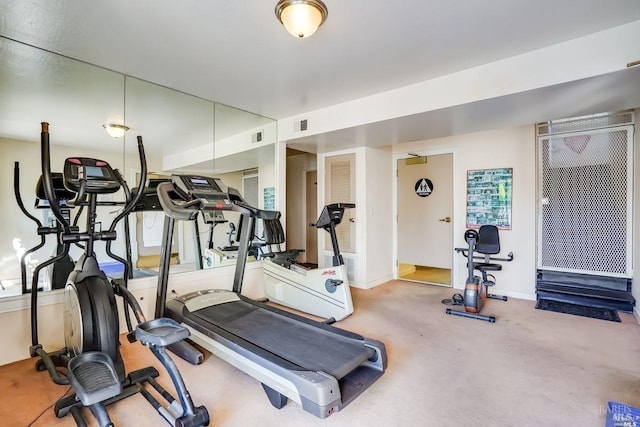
point(63, 267)
point(91, 358)
point(485, 242)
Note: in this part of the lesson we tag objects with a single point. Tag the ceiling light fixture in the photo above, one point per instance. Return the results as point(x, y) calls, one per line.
point(115, 130)
point(301, 17)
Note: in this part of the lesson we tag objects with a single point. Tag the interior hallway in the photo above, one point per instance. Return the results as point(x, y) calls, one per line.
point(420, 273)
point(530, 368)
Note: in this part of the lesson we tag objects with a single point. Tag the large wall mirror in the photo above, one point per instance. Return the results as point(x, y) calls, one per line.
point(181, 134)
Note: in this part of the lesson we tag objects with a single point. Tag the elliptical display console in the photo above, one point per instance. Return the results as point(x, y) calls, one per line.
point(98, 175)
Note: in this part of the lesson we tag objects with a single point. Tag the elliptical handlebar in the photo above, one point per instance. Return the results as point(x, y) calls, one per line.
point(81, 192)
point(16, 192)
point(131, 203)
point(47, 180)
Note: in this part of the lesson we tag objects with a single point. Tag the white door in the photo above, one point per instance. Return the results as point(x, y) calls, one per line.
point(425, 211)
point(340, 178)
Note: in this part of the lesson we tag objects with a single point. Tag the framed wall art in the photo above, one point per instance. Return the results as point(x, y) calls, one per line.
point(489, 193)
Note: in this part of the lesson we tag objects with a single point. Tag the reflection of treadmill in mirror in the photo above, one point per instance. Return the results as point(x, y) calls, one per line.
point(319, 366)
point(148, 203)
point(217, 256)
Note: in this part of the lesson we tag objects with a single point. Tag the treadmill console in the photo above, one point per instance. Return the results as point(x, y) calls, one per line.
point(100, 177)
point(211, 191)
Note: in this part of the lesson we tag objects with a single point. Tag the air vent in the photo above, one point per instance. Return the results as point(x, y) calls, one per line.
point(257, 137)
point(249, 172)
point(300, 126)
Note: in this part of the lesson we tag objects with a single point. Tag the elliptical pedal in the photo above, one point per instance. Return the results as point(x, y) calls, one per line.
point(157, 334)
point(93, 377)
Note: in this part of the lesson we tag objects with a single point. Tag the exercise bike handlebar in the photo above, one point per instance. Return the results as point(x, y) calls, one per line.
point(465, 252)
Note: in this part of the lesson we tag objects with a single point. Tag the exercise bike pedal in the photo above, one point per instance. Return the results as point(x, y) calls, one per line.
point(93, 377)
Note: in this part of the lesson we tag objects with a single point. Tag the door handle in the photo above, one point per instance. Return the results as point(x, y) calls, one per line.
point(445, 219)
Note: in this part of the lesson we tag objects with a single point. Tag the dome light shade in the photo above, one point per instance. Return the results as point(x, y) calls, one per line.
point(301, 18)
point(115, 130)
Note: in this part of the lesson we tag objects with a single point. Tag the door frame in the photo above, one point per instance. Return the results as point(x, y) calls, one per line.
point(360, 201)
point(454, 214)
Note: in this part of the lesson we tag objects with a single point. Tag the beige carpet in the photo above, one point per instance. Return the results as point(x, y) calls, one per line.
point(530, 368)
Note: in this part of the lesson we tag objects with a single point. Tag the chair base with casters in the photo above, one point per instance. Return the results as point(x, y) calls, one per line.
point(486, 243)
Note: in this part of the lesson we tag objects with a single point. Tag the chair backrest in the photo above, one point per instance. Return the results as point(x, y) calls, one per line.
point(488, 240)
point(274, 233)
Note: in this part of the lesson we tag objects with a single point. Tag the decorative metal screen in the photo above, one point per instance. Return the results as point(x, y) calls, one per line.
point(585, 201)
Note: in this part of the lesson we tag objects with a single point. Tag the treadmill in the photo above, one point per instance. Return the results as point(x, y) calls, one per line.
point(319, 366)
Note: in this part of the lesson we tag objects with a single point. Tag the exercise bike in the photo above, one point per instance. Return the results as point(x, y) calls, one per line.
point(322, 292)
point(485, 242)
point(91, 360)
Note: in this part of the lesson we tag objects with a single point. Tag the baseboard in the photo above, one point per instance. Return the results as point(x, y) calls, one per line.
point(373, 283)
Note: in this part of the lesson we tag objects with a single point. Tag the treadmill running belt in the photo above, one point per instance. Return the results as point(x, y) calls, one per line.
point(305, 345)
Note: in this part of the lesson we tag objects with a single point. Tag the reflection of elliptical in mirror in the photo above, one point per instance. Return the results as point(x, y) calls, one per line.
point(30, 262)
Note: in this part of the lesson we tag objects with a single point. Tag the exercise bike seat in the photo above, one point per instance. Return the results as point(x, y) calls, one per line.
point(289, 254)
point(487, 266)
point(161, 332)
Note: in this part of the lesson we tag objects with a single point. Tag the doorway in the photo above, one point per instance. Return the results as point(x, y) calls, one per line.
point(424, 222)
point(302, 209)
point(311, 196)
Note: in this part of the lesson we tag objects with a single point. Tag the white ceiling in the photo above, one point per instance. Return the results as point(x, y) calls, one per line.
point(237, 53)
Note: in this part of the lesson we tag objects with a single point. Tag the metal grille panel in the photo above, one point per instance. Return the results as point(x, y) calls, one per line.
point(581, 124)
point(585, 202)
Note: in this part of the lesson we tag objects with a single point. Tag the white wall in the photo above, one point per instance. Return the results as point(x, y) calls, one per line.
point(378, 211)
point(502, 148)
point(572, 60)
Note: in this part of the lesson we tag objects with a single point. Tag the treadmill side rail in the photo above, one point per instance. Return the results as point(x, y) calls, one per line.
point(319, 393)
point(197, 300)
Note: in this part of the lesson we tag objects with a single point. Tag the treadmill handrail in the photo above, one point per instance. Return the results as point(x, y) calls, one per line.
point(255, 212)
point(186, 212)
point(189, 211)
